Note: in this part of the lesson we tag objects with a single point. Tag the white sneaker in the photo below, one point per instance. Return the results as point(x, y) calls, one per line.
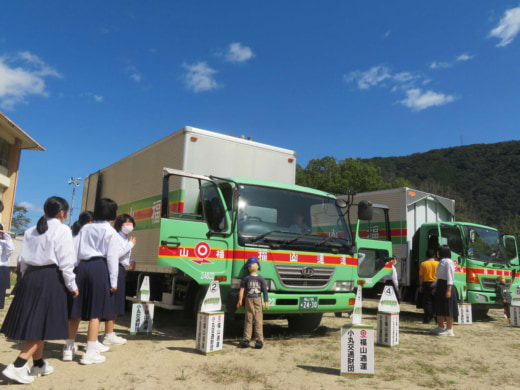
point(68, 354)
point(101, 348)
point(114, 340)
point(92, 358)
point(20, 374)
point(42, 371)
point(437, 330)
point(447, 332)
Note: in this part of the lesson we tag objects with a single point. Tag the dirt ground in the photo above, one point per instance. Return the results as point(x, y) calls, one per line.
point(482, 355)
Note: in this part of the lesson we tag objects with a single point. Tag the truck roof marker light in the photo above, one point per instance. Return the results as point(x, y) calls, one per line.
point(361, 282)
point(221, 278)
point(193, 139)
point(290, 159)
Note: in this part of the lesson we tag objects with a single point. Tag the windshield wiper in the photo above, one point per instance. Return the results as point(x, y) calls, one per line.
point(330, 238)
point(255, 239)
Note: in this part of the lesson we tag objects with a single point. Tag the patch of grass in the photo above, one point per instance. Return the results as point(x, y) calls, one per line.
point(229, 374)
point(182, 376)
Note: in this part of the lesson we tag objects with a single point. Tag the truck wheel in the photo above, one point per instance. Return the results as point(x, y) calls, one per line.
point(303, 323)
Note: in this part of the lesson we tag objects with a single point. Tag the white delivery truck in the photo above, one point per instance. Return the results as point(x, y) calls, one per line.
point(408, 210)
point(205, 202)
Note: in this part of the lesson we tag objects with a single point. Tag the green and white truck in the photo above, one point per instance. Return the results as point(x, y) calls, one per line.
point(205, 202)
point(421, 221)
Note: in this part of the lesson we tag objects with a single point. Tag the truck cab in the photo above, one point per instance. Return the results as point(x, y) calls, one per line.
point(210, 226)
point(481, 253)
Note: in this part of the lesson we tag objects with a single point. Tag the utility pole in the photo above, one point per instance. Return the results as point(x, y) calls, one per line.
point(75, 183)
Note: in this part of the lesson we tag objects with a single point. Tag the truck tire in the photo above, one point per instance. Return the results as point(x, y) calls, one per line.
point(304, 323)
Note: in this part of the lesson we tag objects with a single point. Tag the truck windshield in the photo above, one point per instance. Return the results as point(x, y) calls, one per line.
point(486, 245)
point(290, 218)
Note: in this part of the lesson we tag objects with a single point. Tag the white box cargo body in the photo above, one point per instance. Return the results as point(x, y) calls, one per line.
point(408, 210)
point(135, 182)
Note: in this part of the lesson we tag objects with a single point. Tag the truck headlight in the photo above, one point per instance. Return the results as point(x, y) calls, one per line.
point(271, 286)
point(343, 286)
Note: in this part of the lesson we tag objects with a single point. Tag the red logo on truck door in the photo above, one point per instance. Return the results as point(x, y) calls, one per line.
point(202, 251)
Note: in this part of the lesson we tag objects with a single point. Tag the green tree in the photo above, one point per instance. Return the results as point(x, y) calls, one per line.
point(20, 220)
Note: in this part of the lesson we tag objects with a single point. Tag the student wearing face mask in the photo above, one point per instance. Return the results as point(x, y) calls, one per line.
point(124, 225)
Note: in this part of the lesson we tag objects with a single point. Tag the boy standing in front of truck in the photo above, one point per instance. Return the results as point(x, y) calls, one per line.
point(253, 285)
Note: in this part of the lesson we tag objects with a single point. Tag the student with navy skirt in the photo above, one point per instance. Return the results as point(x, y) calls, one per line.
point(124, 225)
point(96, 274)
point(39, 310)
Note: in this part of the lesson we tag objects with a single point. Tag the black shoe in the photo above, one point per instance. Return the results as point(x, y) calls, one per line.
point(244, 343)
point(259, 344)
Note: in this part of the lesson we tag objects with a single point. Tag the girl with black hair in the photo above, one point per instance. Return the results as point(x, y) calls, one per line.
point(124, 225)
point(39, 310)
point(97, 270)
point(84, 218)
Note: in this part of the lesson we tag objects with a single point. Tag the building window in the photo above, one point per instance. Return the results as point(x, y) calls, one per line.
point(4, 153)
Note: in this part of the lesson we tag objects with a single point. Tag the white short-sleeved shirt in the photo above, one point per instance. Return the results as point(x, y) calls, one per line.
point(52, 247)
point(6, 250)
point(126, 250)
point(100, 239)
point(446, 270)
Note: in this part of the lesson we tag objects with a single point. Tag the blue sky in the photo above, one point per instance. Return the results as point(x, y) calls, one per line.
point(95, 81)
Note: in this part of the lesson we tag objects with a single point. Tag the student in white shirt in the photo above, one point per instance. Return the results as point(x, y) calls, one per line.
point(97, 270)
point(6, 250)
point(39, 310)
point(392, 280)
point(124, 225)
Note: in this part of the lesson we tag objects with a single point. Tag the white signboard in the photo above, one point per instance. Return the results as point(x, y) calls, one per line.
point(515, 300)
point(210, 332)
point(142, 318)
point(357, 350)
point(465, 313)
point(144, 291)
point(358, 306)
point(388, 329)
point(212, 301)
point(388, 302)
point(515, 315)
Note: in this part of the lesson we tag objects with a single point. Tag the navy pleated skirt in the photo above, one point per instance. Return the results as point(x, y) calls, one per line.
point(120, 295)
point(39, 310)
point(5, 283)
point(442, 305)
point(94, 299)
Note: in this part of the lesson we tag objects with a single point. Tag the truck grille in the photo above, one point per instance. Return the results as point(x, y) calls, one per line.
point(491, 283)
point(303, 276)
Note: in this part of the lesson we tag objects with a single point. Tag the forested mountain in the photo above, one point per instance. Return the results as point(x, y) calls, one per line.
point(484, 179)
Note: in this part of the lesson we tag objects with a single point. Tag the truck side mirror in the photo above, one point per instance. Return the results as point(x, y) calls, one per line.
point(365, 210)
point(341, 203)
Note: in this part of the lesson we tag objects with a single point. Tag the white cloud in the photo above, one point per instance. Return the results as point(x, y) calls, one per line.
point(418, 100)
point(370, 78)
point(22, 75)
point(438, 65)
point(136, 77)
point(508, 27)
point(30, 207)
point(238, 53)
point(200, 77)
point(464, 57)
point(93, 96)
point(460, 58)
point(387, 34)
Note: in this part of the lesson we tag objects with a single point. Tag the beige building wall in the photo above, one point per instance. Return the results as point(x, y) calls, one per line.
point(12, 141)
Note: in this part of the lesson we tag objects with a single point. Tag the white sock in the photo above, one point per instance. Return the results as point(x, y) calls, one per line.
point(69, 344)
point(109, 335)
point(91, 346)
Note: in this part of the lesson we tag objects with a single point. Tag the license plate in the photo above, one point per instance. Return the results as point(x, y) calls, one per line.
point(308, 303)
